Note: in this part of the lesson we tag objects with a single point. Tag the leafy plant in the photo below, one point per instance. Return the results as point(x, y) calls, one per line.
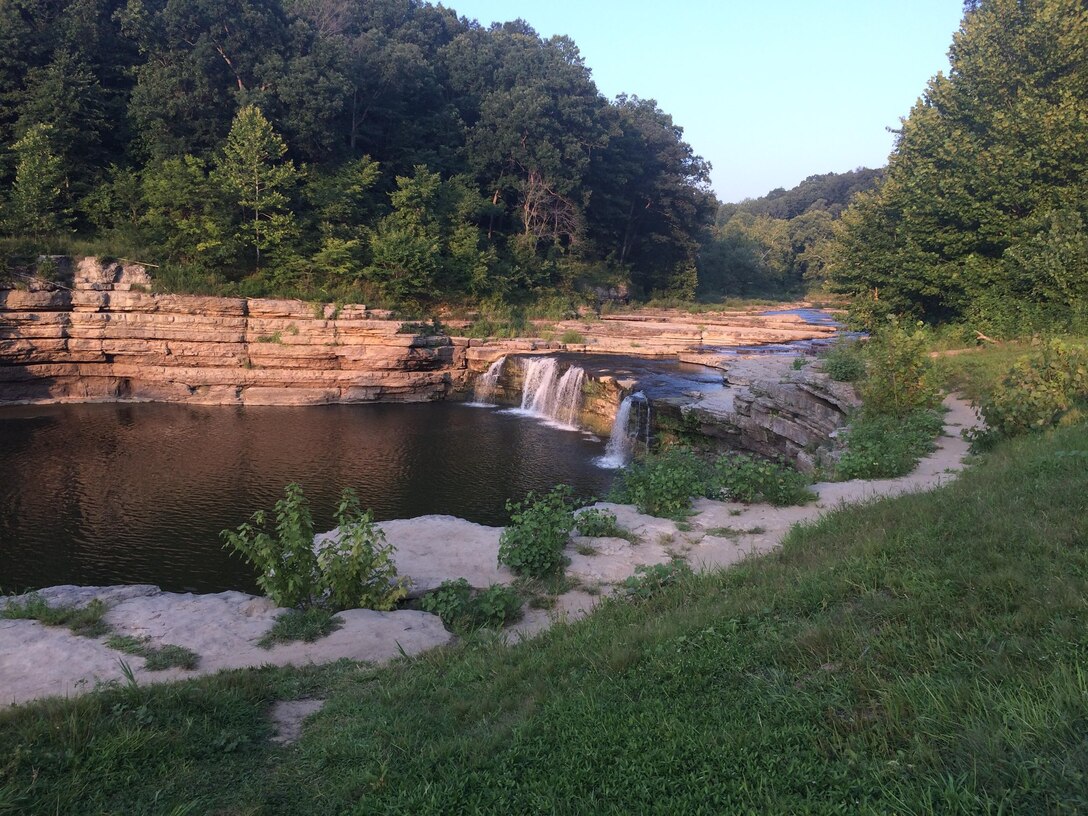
point(900, 376)
point(883, 447)
point(306, 625)
point(356, 569)
point(463, 611)
point(532, 544)
point(597, 523)
point(748, 479)
point(572, 337)
point(1037, 393)
point(663, 484)
point(845, 362)
point(85, 621)
point(649, 580)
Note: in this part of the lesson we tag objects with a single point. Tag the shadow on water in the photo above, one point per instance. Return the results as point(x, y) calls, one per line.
point(101, 494)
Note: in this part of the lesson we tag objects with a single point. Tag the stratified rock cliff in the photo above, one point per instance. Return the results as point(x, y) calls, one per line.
point(105, 338)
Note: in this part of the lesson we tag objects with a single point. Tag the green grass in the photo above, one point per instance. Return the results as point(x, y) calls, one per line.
point(156, 658)
point(975, 371)
point(923, 654)
point(305, 625)
point(884, 447)
point(734, 532)
point(86, 621)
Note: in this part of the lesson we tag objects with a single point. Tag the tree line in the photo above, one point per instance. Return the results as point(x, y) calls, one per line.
point(982, 217)
point(319, 147)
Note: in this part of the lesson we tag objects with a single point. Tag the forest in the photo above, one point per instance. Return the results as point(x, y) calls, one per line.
point(396, 153)
point(389, 149)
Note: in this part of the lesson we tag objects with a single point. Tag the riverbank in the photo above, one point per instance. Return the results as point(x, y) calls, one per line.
point(224, 628)
point(99, 334)
point(921, 653)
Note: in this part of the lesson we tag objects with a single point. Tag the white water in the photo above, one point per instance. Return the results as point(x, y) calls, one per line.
point(483, 391)
point(549, 395)
point(621, 441)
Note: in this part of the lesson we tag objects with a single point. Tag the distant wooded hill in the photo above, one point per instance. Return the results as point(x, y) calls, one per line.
point(779, 244)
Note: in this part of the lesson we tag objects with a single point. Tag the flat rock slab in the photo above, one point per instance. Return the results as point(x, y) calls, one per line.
point(223, 629)
point(287, 717)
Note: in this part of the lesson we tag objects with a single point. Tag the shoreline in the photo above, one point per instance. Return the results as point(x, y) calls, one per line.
point(223, 628)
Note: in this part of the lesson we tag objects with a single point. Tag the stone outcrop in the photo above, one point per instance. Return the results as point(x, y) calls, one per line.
point(105, 338)
point(769, 409)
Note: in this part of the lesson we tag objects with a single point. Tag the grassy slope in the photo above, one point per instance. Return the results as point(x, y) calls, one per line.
point(920, 654)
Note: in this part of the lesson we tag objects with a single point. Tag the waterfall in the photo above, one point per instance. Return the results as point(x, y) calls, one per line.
point(623, 438)
point(483, 391)
point(548, 394)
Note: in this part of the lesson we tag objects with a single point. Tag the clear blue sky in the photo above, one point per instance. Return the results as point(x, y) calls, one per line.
point(768, 91)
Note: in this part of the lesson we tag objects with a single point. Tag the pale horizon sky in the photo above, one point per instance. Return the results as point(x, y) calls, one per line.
point(768, 92)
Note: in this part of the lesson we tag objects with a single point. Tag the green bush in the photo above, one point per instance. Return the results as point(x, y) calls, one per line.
point(355, 570)
point(883, 447)
point(845, 362)
point(463, 611)
point(663, 484)
point(597, 523)
point(533, 543)
point(749, 479)
point(1039, 392)
point(572, 337)
point(900, 375)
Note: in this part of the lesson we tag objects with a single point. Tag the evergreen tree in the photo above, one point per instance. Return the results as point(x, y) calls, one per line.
point(257, 180)
point(37, 206)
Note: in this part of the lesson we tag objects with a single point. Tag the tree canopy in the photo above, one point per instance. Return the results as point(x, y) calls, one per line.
point(983, 215)
point(293, 145)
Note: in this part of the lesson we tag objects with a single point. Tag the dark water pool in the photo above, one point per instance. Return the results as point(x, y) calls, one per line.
point(103, 494)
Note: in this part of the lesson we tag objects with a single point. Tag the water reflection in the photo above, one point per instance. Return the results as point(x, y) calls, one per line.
point(99, 494)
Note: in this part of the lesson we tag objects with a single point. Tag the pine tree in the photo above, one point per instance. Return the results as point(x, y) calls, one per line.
point(37, 206)
point(258, 181)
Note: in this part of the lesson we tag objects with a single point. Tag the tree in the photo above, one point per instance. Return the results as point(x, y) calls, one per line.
point(252, 172)
point(37, 206)
point(987, 160)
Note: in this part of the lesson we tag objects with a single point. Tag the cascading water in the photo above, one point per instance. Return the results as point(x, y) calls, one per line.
point(550, 395)
point(623, 438)
point(483, 391)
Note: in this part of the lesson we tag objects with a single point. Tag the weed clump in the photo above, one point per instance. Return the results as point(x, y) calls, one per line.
point(533, 543)
point(463, 610)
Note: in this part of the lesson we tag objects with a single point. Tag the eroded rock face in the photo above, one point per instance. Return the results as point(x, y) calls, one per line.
point(105, 338)
point(769, 409)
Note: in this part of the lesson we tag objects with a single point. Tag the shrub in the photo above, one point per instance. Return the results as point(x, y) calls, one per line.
point(750, 479)
point(570, 337)
point(900, 377)
point(1038, 392)
point(356, 569)
point(883, 447)
point(597, 523)
point(532, 544)
point(462, 611)
point(286, 564)
point(648, 581)
point(845, 362)
point(663, 484)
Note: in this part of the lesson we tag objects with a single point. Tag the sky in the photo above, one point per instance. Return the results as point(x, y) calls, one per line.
point(768, 91)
